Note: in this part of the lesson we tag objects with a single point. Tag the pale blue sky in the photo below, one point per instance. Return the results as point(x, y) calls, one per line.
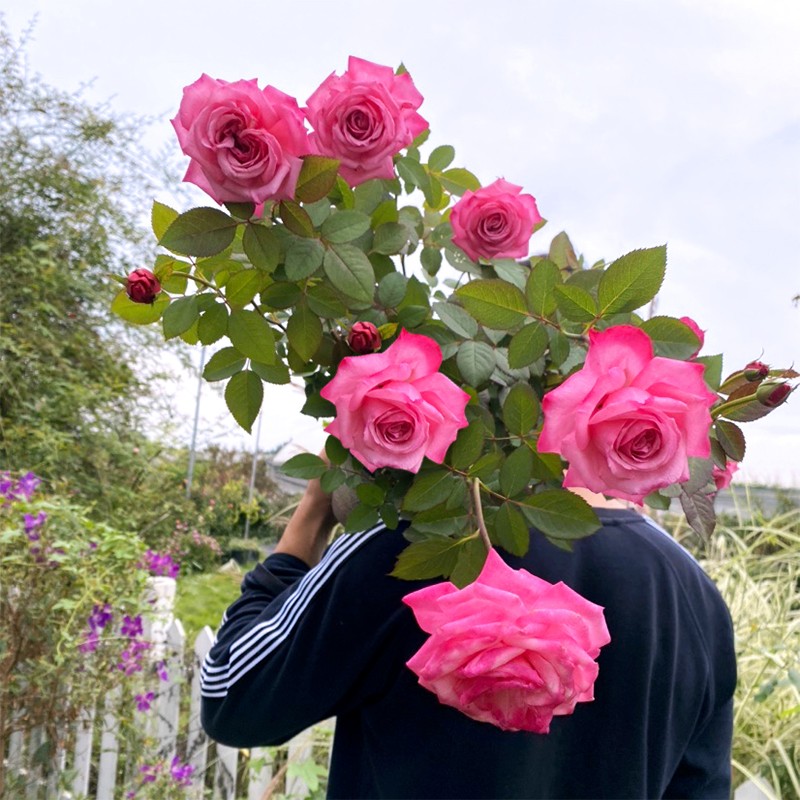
point(633, 123)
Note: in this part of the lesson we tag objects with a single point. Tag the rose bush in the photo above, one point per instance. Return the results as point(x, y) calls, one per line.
point(364, 118)
point(245, 143)
point(510, 649)
point(395, 408)
point(142, 286)
point(628, 422)
point(495, 222)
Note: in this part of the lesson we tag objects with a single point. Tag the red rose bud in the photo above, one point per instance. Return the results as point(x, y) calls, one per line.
point(696, 330)
point(363, 338)
point(756, 371)
point(142, 286)
point(773, 394)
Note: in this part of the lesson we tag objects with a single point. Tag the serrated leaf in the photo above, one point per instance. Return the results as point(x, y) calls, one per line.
point(575, 303)
point(390, 238)
point(213, 323)
point(390, 517)
point(324, 302)
point(199, 232)
point(392, 289)
point(161, 217)
point(281, 294)
point(429, 489)
point(441, 157)
point(304, 332)
point(511, 530)
point(303, 258)
point(713, 370)
point(432, 558)
point(243, 286)
point(516, 473)
point(632, 280)
point(470, 561)
point(527, 345)
point(540, 288)
point(493, 303)
point(412, 172)
point(139, 313)
point(559, 347)
point(520, 410)
point(332, 479)
point(699, 511)
point(336, 451)
point(431, 259)
point(361, 518)
point(468, 446)
point(370, 494)
point(252, 336)
point(295, 218)
point(243, 396)
point(368, 196)
point(241, 210)
point(457, 319)
point(304, 465)
point(271, 373)
point(262, 246)
point(459, 180)
point(345, 226)
point(179, 316)
point(561, 514)
point(475, 362)
point(317, 177)
point(224, 363)
point(731, 439)
point(350, 271)
point(671, 338)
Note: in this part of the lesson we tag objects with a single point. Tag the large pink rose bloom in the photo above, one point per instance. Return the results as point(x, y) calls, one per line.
point(395, 408)
point(510, 649)
point(364, 118)
point(628, 422)
point(494, 222)
point(245, 143)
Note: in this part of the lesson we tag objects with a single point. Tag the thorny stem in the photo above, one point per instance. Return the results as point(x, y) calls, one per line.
point(476, 503)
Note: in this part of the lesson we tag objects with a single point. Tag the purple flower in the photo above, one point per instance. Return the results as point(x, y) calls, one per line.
point(149, 772)
point(181, 773)
point(161, 671)
point(100, 617)
point(131, 658)
point(27, 485)
point(160, 564)
point(89, 643)
point(32, 525)
point(131, 626)
point(144, 701)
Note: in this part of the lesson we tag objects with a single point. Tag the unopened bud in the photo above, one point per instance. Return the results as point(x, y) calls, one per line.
point(142, 286)
point(756, 371)
point(363, 338)
point(772, 394)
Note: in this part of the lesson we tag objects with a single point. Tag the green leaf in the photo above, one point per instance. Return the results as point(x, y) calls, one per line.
point(561, 514)
point(459, 180)
point(457, 319)
point(475, 362)
point(392, 289)
point(731, 439)
point(493, 303)
point(304, 465)
point(441, 157)
point(699, 511)
point(262, 246)
point(296, 218)
point(559, 347)
point(317, 178)
point(411, 171)
point(429, 489)
point(332, 479)
point(520, 409)
point(713, 371)
point(281, 294)
point(510, 530)
point(336, 451)
point(213, 324)
point(350, 271)
point(368, 196)
point(527, 345)
point(179, 316)
point(271, 373)
point(632, 280)
point(432, 558)
point(252, 336)
point(345, 226)
point(671, 338)
point(243, 396)
point(516, 473)
point(390, 517)
point(540, 288)
point(241, 210)
point(468, 446)
point(139, 313)
point(161, 217)
point(324, 302)
point(431, 259)
point(412, 316)
point(199, 232)
point(224, 363)
point(303, 258)
point(361, 518)
point(370, 494)
point(390, 238)
point(574, 303)
point(471, 558)
point(244, 285)
point(304, 331)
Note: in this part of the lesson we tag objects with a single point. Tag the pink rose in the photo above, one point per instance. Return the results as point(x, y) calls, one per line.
point(142, 286)
point(724, 475)
point(627, 422)
point(510, 649)
point(245, 143)
point(364, 118)
point(696, 330)
point(364, 337)
point(394, 408)
point(494, 222)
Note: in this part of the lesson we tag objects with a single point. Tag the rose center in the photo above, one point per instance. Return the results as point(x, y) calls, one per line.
point(643, 444)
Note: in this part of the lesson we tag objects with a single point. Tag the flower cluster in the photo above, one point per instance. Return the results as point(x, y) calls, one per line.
point(160, 564)
point(170, 778)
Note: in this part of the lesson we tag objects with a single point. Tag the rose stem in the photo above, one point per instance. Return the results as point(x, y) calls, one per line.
point(476, 502)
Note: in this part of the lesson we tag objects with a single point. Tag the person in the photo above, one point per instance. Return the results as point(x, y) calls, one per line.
point(321, 631)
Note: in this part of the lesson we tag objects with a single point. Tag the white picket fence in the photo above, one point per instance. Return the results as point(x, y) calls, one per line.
point(97, 763)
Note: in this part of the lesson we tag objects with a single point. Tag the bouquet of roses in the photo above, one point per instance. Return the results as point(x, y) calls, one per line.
point(470, 383)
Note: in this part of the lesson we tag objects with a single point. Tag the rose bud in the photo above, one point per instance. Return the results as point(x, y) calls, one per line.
point(363, 338)
point(756, 371)
point(772, 394)
point(142, 286)
point(696, 330)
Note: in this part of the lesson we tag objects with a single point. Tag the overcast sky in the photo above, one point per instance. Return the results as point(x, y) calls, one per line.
point(632, 122)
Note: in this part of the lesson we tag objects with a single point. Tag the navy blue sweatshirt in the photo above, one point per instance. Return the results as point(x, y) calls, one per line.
point(302, 645)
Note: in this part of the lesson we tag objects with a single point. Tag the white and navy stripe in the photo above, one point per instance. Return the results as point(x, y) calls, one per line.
point(263, 639)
